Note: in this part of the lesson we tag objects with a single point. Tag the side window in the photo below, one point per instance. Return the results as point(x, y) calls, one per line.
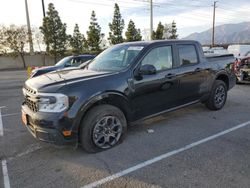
point(187, 54)
point(76, 61)
point(69, 62)
point(160, 57)
point(84, 59)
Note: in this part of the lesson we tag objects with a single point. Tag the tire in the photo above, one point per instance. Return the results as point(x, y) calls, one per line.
point(218, 96)
point(103, 127)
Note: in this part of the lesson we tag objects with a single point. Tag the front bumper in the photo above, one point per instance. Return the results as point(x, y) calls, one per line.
point(49, 127)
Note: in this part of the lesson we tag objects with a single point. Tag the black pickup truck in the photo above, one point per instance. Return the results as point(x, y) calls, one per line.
point(125, 83)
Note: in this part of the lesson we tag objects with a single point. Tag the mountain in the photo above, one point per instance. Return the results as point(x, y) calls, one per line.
point(228, 33)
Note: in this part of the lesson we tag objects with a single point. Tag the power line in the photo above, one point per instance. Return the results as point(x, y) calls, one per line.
point(95, 3)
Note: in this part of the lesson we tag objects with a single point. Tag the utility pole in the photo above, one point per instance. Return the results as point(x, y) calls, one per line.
point(29, 29)
point(151, 19)
point(43, 8)
point(213, 34)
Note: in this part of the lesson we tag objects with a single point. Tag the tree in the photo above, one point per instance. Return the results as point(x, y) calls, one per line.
point(39, 43)
point(2, 47)
point(116, 27)
point(133, 34)
point(153, 35)
point(38, 39)
point(54, 32)
point(94, 36)
point(173, 31)
point(158, 35)
point(166, 33)
point(104, 42)
point(13, 38)
point(77, 41)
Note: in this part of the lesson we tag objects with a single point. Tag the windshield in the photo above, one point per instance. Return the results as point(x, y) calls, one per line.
point(63, 61)
point(115, 58)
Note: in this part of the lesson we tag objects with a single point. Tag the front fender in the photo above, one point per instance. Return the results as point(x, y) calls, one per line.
point(111, 97)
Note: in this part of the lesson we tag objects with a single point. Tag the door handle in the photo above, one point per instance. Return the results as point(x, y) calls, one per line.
point(170, 75)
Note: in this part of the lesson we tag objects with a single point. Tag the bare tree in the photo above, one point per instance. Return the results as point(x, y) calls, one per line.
point(38, 39)
point(39, 43)
point(2, 47)
point(13, 39)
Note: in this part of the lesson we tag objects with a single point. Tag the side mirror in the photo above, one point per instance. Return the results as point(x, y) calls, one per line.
point(147, 69)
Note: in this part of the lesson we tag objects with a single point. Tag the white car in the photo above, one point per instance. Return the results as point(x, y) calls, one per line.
point(239, 50)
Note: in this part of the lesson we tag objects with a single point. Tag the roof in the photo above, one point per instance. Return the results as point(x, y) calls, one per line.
point(145, 43)
point(82, 55)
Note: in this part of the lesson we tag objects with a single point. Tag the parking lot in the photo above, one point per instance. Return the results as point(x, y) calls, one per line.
point(191, 147)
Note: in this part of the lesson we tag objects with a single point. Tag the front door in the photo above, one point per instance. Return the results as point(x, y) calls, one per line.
point(157, 92)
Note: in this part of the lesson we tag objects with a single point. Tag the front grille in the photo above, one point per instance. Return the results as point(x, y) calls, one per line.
point(31, 104)
point(30, 99)
point(29, 90)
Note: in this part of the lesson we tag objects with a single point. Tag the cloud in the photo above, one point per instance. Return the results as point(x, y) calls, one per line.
point(191, 18)
point(190, 15)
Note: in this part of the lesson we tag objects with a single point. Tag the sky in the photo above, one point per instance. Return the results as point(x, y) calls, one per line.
point(190, 15)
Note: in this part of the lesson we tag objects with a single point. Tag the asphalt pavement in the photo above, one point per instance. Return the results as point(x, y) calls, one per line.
point(191, 147)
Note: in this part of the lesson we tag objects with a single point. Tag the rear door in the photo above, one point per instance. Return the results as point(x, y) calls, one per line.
point(190, 73)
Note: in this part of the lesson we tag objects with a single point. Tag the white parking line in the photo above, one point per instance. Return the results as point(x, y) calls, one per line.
point(2, 106)
point(32, 148)
point(4, 163)
point(1, 124)
point(163, 156)
point(6, 180)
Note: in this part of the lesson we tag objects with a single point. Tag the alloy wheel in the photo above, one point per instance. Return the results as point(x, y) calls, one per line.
point(107, 132)
point(220, 95)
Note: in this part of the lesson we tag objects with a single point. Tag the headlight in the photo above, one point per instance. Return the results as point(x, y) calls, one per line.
point(52, 102)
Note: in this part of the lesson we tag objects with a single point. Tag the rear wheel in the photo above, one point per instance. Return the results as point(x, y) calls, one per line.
point(103, 127)
point(218, 96)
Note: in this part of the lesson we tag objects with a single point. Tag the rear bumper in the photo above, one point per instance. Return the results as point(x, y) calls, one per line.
point(49, 127)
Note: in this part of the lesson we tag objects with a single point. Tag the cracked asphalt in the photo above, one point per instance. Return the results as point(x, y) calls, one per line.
point(221, 162)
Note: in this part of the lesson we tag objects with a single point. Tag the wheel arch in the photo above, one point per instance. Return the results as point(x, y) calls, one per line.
point(223, 77)
point(110, 97)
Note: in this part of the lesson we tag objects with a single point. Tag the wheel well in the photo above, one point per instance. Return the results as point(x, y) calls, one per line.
point(113, 100)
point(223, 78)
point(116, 101)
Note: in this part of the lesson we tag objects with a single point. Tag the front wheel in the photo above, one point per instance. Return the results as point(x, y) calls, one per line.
point(218, 96)
point(103, 127)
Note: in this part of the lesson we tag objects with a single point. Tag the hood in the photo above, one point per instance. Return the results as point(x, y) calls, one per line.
point(63, 77)
point(71, 68)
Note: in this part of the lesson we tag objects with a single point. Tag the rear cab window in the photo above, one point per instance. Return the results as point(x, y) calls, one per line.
point(187, 54)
